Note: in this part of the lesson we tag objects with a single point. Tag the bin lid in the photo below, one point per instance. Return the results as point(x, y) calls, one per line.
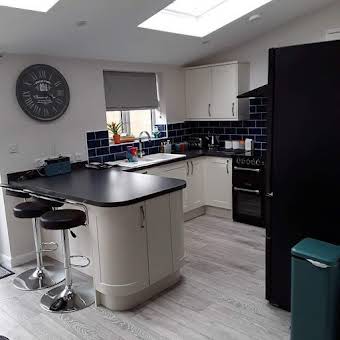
point(316, 250)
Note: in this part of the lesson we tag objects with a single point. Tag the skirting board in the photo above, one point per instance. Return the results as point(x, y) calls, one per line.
point(12, 262)
point(218, 212)
point(208, 210)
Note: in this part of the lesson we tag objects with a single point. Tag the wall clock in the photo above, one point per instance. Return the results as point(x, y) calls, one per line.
point(42, 92)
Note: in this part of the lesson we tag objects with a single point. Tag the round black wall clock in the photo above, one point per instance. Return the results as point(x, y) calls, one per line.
point(42, 92)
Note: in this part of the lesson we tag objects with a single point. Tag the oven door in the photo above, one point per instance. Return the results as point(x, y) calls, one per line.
point(248, 206)
point(248, 178)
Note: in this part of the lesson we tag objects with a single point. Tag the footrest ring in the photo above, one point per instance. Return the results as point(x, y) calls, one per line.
point(55, 244)
point(85, 258)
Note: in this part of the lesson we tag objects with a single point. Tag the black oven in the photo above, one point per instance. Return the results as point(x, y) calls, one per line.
point(248, 190)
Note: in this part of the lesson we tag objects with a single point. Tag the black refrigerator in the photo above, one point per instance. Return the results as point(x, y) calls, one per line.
point(303, 156)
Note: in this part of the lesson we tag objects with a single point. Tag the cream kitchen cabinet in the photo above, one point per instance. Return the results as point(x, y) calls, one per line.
point(198, 92)
point(209, 181)
point(192, 172)
point(176, 170)
point(212, 90)
point(137, 247)
point(159, 237)
point(195, 182)
point(218, 182)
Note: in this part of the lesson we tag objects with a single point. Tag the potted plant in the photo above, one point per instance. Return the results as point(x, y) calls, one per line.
point(115, 129)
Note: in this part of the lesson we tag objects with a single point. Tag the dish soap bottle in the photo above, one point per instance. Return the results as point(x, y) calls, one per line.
point(161, 149)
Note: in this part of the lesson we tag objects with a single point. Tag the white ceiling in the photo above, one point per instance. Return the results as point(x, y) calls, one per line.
point(112, 31)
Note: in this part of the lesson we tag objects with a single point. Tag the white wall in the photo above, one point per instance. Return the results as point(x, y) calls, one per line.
point(67, 134)
point(306, 29)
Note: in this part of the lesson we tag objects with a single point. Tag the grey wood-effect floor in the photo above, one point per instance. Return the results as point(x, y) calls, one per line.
point(221, 296)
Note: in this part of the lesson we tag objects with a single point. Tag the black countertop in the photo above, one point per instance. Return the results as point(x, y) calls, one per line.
point(102, 188)
point(117, 186)
point(190, 154)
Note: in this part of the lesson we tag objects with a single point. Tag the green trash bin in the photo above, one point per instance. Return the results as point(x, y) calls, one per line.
point(315, 295)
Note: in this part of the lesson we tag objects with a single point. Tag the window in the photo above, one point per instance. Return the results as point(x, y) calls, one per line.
point(134, 121)
point(199, 18)
point(132, 98)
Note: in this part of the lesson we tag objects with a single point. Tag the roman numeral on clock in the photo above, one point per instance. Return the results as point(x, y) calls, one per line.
point(42, 74)
point(34, 76)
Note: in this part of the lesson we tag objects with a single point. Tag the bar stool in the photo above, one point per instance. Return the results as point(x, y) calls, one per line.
point(42, 276)
point(66, 298)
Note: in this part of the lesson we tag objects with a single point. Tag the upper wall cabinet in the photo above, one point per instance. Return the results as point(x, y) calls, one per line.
point(212, 90)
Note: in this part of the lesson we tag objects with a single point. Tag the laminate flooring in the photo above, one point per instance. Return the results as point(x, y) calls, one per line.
point(221, 296)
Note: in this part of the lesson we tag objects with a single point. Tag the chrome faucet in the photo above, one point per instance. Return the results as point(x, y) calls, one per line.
point(140, 151)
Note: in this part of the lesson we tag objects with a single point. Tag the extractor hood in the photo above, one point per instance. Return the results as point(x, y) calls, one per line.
point(256, 93)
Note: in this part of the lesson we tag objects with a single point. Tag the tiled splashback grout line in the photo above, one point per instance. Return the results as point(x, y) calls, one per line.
point(100, 150)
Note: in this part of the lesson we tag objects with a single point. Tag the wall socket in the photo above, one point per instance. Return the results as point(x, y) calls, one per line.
point(39, 162)
point(78, 156)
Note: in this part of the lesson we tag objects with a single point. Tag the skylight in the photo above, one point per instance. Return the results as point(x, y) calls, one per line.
point(31, 5)
point(200, 17)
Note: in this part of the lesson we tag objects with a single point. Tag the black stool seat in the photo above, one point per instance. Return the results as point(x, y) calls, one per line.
point(63, 219)
point(51, 204)
point(30, 210)
point(17, 194)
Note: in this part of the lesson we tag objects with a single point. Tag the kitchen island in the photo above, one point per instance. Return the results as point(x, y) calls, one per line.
point(135, 235)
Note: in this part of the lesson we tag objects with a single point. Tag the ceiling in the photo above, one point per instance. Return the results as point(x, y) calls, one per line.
point(112, 32)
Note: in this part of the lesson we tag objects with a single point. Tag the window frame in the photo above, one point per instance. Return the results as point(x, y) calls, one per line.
point(125, 119)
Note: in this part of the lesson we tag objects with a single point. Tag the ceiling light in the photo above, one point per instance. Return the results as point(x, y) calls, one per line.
point(200, 17)
point(31, 5)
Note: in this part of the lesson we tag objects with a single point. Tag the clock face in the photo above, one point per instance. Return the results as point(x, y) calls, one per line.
point(42, 92)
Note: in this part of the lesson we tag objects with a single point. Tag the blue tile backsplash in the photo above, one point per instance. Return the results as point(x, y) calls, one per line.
point(100, 150)
point(254, 128)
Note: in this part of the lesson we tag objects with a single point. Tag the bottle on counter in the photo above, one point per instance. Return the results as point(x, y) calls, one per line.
point(167, 147)
point(162, 149)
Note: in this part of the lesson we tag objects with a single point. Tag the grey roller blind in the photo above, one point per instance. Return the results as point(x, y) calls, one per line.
point(130, 90)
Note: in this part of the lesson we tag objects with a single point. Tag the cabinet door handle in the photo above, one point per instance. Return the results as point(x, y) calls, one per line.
point(227, 167)
point(143, 216)
point(233, 109)
point(247, 190)
point(188, 170)
point(209, 110)
point(192, 168)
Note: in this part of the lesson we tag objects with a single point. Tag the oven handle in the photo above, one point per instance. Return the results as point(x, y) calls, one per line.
point(247, 190)
point(247, 169)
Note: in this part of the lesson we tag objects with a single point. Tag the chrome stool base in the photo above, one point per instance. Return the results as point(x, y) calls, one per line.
point(35, 279)
point(63, 299)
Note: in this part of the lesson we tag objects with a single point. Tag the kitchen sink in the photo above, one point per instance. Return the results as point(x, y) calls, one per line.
point(156, 158)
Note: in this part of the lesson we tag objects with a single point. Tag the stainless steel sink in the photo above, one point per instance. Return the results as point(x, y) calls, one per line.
point(157, 158)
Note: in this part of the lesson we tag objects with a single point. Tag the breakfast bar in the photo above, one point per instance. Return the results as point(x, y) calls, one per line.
point(135, 235)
